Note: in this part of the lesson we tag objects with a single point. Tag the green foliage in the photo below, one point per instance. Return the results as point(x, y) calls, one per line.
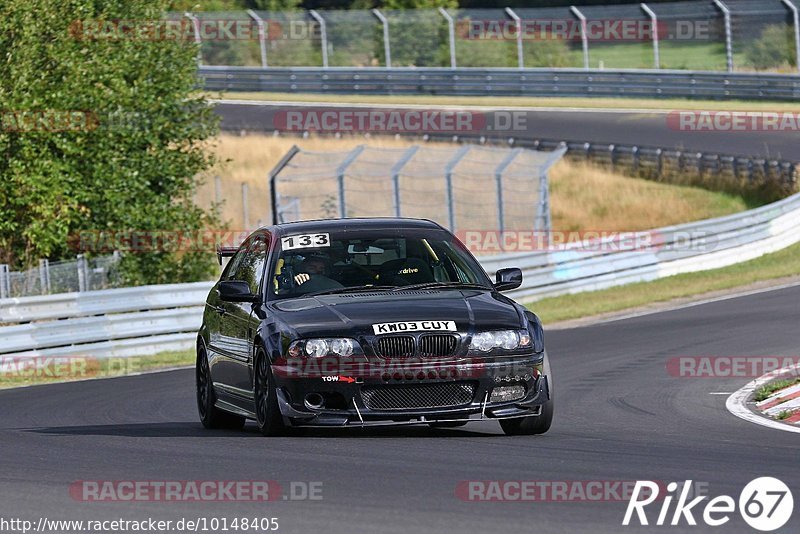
point(131, 165)
point(775, 48)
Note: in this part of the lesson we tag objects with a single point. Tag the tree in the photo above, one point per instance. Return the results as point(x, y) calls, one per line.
point(127, 141)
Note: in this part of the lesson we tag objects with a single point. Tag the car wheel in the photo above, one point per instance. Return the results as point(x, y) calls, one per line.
point(268, 414)
point(537, 424)
point(528, 426)
point(210, 415)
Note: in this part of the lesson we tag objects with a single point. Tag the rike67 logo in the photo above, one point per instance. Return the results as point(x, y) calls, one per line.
point(766, 504)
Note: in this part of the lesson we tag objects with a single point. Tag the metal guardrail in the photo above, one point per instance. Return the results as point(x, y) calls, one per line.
point(152, 319)
point(504, 82)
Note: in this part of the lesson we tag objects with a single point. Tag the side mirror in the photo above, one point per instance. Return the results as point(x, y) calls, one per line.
point(236, 291)
point(506, 279)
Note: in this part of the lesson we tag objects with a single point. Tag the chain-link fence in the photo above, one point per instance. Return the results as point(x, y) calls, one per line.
point(466, 187)
point(81, 274)
point(712, 35)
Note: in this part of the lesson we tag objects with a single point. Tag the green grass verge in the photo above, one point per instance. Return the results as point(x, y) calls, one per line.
point(765, 391)
point(42, 370)
point(511, 101)
point(783, 263)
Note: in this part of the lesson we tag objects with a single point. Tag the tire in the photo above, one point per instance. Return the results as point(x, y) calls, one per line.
point(529, 426)
point(535, 424)
point(210, 415)
point(268, 414)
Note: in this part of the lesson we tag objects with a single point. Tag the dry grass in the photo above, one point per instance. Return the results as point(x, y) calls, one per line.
point(587, 197)
point(583, 196)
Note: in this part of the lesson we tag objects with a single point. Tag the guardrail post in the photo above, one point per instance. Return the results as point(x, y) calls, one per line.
point(197, 39)
point(262, 36)
point(387, 48)
point(448, 177)
point(272, 177)
point(81, 266)
point(796, 23)
point(498, 176)
point(245, 206)
point(351, 157)
point(407, 155)
point(726, 14)
point(520, 58)
point(584, 38)
point(451, 32)
point(5, 281)
point(323, 33)
point(654, 22)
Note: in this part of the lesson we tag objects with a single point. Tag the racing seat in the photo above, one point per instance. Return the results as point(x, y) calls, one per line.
point(405, 271)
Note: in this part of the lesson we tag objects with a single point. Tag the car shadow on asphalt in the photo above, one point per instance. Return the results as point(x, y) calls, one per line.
point(190, 429)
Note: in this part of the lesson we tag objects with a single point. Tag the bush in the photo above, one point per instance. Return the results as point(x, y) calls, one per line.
point(775, 48)
point(130, 161)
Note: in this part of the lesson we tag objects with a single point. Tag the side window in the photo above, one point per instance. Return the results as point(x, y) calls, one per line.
point(250, 267)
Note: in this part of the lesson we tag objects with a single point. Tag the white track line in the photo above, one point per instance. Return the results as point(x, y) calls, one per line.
point(437, 106)
point(666, 308)
point(737, 403)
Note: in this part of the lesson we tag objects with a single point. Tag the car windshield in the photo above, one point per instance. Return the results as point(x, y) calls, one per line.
point(344, 261)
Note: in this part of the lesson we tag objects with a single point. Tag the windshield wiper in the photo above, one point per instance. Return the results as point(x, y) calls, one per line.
point(437, 285)
point(347, 289)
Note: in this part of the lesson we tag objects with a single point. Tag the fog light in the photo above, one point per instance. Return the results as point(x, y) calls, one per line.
point(507, 393)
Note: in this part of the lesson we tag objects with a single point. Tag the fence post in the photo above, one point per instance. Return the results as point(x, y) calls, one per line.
point(520, 58)
point(387, 48)
point(217, 189)
point(498, 176)
point(81, 265)
point(245, 206)
point(726, 14)
point(407, 155)
point(611, 154)
point(584, 37)
point(273, 176)
point(660, 162)
point(654, 22)
point(197, 39)
point(262, 36)
point(796, 23)
point(635, 159)
point(351, 157)
point(448, 178)
point(44, 276)
point(5, 281)
point(323, 31)
point(451, 31)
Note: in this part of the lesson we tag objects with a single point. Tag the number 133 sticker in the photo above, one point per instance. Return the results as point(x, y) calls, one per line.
point(305, 241)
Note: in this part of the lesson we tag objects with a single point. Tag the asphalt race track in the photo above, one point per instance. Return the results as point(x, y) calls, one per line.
point(619, 416)
point(622, 127)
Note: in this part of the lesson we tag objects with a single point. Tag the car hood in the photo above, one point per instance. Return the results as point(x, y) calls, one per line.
point(353, 314)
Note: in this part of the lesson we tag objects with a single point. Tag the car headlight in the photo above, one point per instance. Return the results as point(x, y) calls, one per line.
point(500, 339)
point(319, 348)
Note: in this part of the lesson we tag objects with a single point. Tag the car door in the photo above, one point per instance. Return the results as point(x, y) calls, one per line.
point(238, 322)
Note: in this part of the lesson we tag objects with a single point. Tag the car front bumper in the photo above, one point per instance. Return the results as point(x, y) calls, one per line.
point(346, 405)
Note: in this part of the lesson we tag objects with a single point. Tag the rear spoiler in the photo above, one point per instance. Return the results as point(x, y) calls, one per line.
point(225, 252)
